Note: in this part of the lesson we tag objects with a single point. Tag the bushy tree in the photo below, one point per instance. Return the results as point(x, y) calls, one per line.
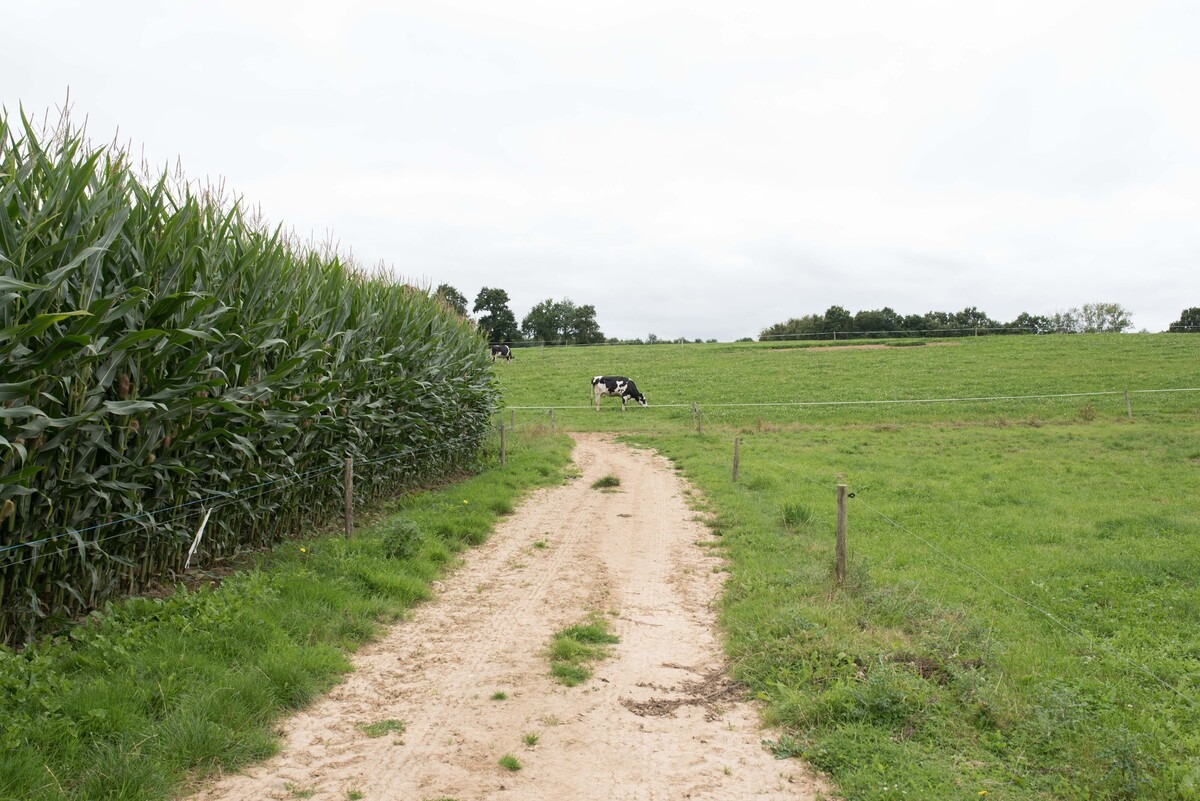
point(1033, 323)
point(1189, 320)
point(1105, 318)
point(497, 319)
point(880, 322)
point(795, 328)
point(1065, 322)
point(562, 321)
point(972, 317)
point(452, 298)
point(837, 318)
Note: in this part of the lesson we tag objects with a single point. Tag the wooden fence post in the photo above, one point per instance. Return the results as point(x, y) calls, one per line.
point(737, 441)
point(513, 419)
point(1128, 408)
point(551, 421)
point(502, 454)
point(348, 495)
point(841, 534)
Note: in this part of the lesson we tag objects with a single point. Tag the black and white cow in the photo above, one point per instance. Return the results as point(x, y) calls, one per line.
point(503, 351)
point(617, 385)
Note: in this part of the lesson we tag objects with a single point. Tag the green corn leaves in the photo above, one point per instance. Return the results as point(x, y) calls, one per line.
point(161, 351)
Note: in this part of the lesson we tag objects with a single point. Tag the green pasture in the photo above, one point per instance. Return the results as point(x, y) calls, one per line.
point(794, 382)
point(1021, 617)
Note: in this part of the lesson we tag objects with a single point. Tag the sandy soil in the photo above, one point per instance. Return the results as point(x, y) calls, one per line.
point(658, 720)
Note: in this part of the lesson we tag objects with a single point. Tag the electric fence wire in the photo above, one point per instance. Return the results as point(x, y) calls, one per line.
point(882, 402)
point(218, 500)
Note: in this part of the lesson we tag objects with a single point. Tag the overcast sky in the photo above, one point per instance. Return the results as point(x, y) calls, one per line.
point(691, 169)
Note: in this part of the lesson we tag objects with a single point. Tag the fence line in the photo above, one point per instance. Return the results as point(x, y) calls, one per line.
point(970, 568)
point(229, 497)
point(879, 402)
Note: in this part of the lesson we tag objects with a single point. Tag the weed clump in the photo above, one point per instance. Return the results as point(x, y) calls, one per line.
point(796, 516)
point(572, 648)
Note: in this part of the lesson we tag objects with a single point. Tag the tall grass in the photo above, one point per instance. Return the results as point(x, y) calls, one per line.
point(161, 351)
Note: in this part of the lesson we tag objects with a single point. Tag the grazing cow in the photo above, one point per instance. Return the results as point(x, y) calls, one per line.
point(617, 385)
point(503, 351)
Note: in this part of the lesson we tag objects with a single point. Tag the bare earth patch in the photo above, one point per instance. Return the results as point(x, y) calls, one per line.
point(659, 719)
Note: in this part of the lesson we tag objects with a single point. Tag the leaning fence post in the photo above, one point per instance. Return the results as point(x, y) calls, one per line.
point(348, 495)
point(502, 459)
point(1128, 408)
point(841, 534)
point(737, 441)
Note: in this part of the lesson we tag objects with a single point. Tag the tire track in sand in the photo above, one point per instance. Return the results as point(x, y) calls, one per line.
point(637, 730)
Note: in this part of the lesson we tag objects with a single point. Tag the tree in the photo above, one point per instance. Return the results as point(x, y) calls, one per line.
point(1104, 318)
point(562, 322)
point(877, 323)
point(972, 317)
point(1031, 323)
point(837, 319)
point(497, 319)
point(543, 323)
point(794, 328)
point(452, 298)
point(579, 324)
point(1189, 320)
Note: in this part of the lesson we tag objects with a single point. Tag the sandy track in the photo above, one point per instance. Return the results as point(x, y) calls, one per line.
point(657, 721)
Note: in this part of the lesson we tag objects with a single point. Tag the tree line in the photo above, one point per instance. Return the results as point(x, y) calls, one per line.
point(553, 322)
point(562, 322)
point(1086, 319)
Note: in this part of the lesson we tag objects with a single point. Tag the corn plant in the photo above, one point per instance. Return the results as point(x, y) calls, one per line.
point(163, 352)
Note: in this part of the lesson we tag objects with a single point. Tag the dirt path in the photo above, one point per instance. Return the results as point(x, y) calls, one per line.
point(657, 721)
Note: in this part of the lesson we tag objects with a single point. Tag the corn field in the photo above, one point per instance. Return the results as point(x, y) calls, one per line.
point(161, 353)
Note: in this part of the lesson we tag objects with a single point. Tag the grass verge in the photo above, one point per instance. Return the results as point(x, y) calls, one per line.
point(152, 692)
point(1019, 615)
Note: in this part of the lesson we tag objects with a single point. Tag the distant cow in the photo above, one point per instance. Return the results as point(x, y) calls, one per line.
point(617, 385)
point(503, 351)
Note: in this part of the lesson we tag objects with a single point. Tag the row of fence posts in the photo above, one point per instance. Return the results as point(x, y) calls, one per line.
point(348, 477)
point(842, 490)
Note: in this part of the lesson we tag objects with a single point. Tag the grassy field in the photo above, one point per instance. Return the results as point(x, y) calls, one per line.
point(1020, 617)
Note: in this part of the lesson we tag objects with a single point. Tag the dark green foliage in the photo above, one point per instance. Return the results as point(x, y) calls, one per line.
point(1188, 322)
point(161, 352)
point(497, 320)
point(562, 323)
